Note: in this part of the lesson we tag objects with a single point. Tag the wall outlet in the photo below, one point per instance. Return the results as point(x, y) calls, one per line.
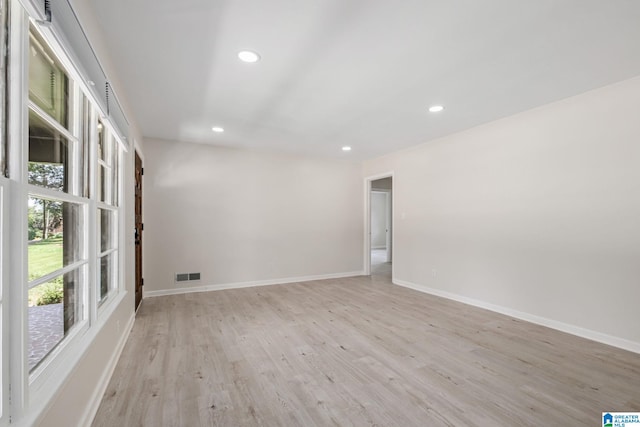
point(434, 272)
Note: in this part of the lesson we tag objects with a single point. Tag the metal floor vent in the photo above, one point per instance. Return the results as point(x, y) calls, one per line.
point(187, 277)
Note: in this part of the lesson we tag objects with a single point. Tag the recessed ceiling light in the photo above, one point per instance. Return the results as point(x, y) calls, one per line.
point(217, 129)
point(436, 108)
point(346, 148)
point(248, 56)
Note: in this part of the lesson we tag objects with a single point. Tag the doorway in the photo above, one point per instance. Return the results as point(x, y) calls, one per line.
point(138, 229)
point(380, 220)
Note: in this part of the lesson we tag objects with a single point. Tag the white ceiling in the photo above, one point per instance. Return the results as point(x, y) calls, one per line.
point(357, 72)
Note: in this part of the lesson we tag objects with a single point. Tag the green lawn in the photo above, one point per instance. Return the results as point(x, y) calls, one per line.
point(45, 256)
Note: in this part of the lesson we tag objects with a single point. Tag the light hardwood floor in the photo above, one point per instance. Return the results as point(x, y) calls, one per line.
point(356, 352)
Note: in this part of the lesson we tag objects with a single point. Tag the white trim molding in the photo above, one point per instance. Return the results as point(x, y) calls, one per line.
point(528, 317)
point(96, 397)
point(366, 247)
point(238, 285)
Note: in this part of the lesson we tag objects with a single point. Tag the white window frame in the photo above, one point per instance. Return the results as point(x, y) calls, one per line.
point(115, 143)
point(31, 393)
point(4, 242)
point(49, 365)
point(4, 313)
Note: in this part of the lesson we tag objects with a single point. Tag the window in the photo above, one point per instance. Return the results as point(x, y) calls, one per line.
point(67, 143)
point(107, 196)
point(57, 260)
point(48, 83)
point(108, 151)
point(57, 269)
point(64, 229)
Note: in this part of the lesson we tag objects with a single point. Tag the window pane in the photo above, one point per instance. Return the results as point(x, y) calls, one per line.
point(85, 124)
point(114, 174)
point(102, 155)
point(106, 230)
point(107, 268)
point(103, 184)
point(54, 235)
point(107, 178)
point(48, 84)
point(48, 155)
point(54, 307)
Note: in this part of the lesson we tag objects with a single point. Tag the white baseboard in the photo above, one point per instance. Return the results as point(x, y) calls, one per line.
point(101, 387)
point(553, 324)
point(238, 285)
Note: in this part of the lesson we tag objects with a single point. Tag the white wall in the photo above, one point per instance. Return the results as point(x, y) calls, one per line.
point(378, 220)
point(246, 216)
point(538, 213)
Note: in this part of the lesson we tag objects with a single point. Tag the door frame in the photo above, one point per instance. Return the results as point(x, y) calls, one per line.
point(367, 221)
point(138, 263)
point(387, 219)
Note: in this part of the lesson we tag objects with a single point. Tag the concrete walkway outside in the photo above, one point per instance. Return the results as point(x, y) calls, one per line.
point(46, 330)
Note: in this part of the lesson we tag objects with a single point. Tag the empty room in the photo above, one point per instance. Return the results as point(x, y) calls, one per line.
point(319, 213)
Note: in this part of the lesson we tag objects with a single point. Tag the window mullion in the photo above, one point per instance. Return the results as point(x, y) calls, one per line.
point(76, 149)
point(103, 205)
point(92, 244)
point(108, 172)
point(50, 276)
point(17, 165)
point(49, 194)
point(107, 252)
point(52, 122)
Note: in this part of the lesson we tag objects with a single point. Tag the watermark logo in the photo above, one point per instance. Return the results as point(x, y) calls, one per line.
point(621, 419)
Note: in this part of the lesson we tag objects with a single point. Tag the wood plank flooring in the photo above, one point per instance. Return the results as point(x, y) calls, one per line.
point(356, 352)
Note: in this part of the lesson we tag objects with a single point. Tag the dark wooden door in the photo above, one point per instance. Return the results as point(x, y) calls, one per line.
point(138, 229)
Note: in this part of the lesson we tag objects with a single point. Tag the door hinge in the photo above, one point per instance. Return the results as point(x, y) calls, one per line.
point(141, 171)
point(142, 282)
point(142, 226)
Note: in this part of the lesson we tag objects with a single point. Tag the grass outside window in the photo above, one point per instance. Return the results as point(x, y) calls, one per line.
point(45, 256)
